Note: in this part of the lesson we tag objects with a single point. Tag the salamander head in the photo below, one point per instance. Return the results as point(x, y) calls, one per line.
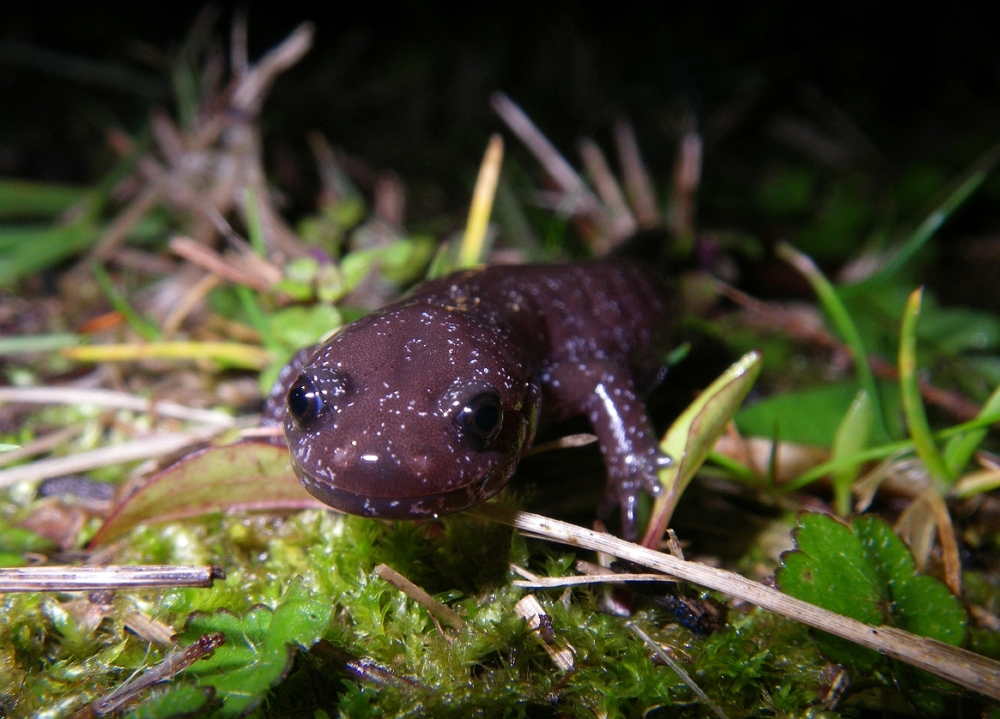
point(412, 412)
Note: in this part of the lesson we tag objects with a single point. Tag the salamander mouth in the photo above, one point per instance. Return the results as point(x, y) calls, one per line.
point(425, 506)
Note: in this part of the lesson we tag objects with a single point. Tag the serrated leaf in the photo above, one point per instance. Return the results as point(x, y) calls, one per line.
point(919, 603)
point(829, 569)
point(179, 700)
point(866, 572)
point(259, 646)
point(246, 476)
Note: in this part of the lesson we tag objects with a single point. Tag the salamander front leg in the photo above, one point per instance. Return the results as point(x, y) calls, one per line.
point(605, 391)
point(629, 447)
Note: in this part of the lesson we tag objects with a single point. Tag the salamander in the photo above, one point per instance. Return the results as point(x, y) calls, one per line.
point(426, 406)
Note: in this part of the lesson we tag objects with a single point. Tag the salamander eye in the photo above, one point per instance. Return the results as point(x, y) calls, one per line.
point(315, 392)
point(304, 402)
point(480, 419)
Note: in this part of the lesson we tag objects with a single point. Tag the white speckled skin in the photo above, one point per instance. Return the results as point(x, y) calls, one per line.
point(552, 341)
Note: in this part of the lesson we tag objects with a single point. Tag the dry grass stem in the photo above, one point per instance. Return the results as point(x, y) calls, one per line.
point(561, 172)
point(87, 579)
point(960, 666)
point(623, 222)
point(531, 610)
point(147, 448)
point(425, 600)
point(638, 184)
point(114, 400)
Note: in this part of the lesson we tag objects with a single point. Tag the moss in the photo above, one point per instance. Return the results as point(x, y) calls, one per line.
point(493, 666)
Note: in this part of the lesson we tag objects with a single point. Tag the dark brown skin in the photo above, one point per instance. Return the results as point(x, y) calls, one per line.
point(426, 406)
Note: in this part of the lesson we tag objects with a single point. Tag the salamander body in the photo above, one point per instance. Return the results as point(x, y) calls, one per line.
point(426, 406)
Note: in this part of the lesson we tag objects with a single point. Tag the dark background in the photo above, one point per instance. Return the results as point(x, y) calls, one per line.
point(405, 86)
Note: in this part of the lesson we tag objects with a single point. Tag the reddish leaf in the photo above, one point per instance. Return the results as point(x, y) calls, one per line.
point(249, 476)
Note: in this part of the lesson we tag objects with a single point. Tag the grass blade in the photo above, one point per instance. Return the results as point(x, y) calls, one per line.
point(975, 176)
point(913, 405)
point(473, 250)
point(851, 438)
point(835, 309)
point(960, 448)
point(230, 354)
point(693, 435)
point(21, 198)
point(147, 330)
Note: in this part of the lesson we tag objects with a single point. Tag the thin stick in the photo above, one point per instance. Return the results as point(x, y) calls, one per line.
point(531, 611)
point(83, 579)
point(43, 444)
point(115, 400)
point(446, 613)
point(623, 222)
point(554, 163)
point(173, 664)
point(960, 666)
point(678, 670)
point(637, 183)
point(608, 578)
point(147, 448)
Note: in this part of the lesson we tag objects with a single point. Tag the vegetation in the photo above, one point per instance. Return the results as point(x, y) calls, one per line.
point(862, 466)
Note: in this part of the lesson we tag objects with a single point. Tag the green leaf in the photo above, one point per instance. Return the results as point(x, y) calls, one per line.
point(259, 646)
point(693, 435)
point(974, 177)
point(401, 261)
point(145, 328)
point(960, 448)
point(913, 404)
point(18, 540)
point(920, 603)
point(866, 572)
point(807, 417)
point(955, 330)
point(296, 327)
point(829, 568)
point(21, 198)
point(834, 307)
point(851, 438)
point(179, 700)
point(24, 250)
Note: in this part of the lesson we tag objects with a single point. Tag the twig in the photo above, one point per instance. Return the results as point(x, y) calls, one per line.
point(116, 400)
point(678, 669)
point(255, 273)
point(530, 609)
point(637, 183)
point(446, 613)
point(172, 664)
point(606, 578)
point(623, 222)
point(254, 84)
point(570, 441)
point(146, 448)
point(85, 579)
point(43, 444)
point(554, 163)
point(960, 666)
